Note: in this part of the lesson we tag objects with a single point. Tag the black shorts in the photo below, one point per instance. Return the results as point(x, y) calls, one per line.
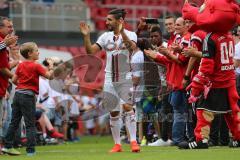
point(38, 114)
point(73, 124)
point(217, 101)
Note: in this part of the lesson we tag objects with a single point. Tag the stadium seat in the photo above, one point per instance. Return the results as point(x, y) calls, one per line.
point(142, 13)
point(129, 13)
point(94, 12)
point(115, 2)
point(172, 6)
point(103, 12)
point(101, 24)
point(63, 48)
point(128, 2)
point(137, 2)
point(52, 47)
point(82, 50)
point(74, 50)
point(90, 1)
point(156, 13)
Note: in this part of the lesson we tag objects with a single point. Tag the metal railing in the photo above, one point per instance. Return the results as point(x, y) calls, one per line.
point(35, 16)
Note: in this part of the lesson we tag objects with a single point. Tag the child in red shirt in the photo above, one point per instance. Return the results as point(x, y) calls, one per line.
point(26, 79)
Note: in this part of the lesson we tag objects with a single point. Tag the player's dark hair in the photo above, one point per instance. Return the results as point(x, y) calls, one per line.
point(118, 13)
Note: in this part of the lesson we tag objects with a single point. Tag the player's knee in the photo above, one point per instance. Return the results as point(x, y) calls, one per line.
point(127, 107)
point(114, 113)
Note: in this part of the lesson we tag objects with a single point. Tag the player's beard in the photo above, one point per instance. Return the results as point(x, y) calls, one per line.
point(110, 28)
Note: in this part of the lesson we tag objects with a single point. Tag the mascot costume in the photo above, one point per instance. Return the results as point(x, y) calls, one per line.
point(213, 89)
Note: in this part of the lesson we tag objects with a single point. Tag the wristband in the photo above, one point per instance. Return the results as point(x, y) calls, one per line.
point(186, 77)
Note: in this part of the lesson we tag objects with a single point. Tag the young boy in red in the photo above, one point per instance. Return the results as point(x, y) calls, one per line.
point(26, 79)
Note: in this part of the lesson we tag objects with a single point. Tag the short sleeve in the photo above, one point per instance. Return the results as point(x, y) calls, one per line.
point(209, 47)
point(17, 69)
point(101, 41)
point(133, 37)
point(196, 42)
point(40, 70)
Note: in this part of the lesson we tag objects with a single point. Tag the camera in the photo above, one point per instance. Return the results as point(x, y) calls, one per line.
point(151, 21)
point(45, 63)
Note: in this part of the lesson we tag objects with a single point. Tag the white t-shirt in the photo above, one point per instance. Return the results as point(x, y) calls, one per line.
point(237, 56)
point(55, 91)
point(74, 109)
point(117, 54)
point(43, 89)
point(137, 64)
point(89, 123)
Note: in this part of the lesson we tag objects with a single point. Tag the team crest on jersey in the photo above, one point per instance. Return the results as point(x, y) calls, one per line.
point(111, 46)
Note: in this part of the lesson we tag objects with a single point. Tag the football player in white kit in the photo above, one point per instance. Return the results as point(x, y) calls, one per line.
point(118, 43)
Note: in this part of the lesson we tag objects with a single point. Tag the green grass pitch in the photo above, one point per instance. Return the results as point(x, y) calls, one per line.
point(96, 148)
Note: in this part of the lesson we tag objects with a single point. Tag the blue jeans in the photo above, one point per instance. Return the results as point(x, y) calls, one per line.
point(179, 102)
point(7, 121)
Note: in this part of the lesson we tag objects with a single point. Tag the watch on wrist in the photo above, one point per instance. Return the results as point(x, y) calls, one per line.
point(186, 77)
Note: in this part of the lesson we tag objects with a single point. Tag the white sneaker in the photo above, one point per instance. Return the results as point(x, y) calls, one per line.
point(159, 142)
point(170, 142)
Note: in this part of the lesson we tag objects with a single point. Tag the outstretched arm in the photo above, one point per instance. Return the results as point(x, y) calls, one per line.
point(90, 48)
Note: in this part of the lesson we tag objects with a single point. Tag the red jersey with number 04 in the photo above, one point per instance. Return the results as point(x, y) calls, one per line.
point(217, 61)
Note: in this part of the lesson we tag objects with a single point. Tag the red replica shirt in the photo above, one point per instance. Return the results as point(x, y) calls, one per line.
point(178, 70)
point(196, 41)
point(217, 61)
point(4, 63)
point(171, 39)
point(164, 60)
point(28, 73)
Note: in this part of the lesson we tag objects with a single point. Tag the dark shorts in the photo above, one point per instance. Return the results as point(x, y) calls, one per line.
point(217, 101)
point(38, 114)
point(73, 123)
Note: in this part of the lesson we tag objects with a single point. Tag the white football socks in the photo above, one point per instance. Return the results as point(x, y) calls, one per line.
point(131, 124)
point(115, 124)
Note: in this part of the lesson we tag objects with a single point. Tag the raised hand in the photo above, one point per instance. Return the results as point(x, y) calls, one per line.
point(150, 53)
point(84, 28)
point(50, 62)
point(190, 52)
point(10, 40)
point(142, 24)
point(163, 50)
point(176, 48)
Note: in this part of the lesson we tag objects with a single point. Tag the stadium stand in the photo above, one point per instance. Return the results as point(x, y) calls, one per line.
point(98, 13)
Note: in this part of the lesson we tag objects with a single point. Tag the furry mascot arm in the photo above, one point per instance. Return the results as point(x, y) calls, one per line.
point(201, 82)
